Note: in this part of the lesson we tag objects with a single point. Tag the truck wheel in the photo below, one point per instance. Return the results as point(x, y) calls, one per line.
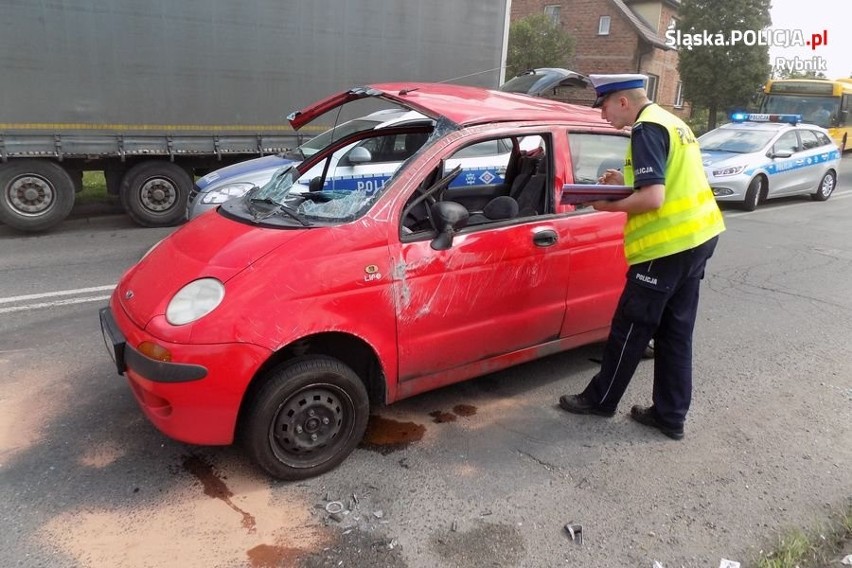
point(36, 194)
point(306, 419)
point(154, 194)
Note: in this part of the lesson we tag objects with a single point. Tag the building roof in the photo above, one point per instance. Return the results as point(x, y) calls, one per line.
point(644, 29)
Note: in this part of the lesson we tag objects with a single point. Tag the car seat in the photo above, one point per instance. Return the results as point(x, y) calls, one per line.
point(526, 191)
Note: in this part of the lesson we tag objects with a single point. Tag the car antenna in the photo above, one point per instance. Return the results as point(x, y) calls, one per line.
point(470, 75)
point(403, 92)
point(336, 120)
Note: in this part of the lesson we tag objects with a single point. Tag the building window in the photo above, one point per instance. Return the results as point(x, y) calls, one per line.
point(552, 12)
point(652, 87)
point(603, 25)
point(678, 103)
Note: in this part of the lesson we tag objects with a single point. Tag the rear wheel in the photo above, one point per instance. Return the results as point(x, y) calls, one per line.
point(306, 419)
point(754, 193)
point(36, 194)
point(825, 187)
point(154, 194)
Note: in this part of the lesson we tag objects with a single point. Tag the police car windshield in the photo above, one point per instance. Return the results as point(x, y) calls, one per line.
point(320, 141)
point(735, 140)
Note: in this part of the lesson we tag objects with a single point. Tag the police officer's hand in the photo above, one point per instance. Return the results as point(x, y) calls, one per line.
point(601, 205)
point(612, 177)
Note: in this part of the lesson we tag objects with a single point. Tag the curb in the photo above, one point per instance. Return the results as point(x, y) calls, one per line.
point(95, 209)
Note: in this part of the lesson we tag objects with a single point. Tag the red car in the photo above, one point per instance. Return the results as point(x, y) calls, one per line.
point(282, 317)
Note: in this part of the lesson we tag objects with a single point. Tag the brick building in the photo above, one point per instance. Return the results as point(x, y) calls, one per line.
point(617, 36)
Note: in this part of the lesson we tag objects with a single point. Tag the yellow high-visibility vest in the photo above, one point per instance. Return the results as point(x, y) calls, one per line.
point(689, 215)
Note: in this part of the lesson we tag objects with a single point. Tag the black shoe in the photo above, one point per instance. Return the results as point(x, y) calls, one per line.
point(579, 404)
point(645, 415)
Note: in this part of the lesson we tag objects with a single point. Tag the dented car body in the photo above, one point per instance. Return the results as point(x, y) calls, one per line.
point(285, 316)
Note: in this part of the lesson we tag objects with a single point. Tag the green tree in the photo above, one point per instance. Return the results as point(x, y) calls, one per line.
point(722, 77)
point(536, 41)
point(787, 74)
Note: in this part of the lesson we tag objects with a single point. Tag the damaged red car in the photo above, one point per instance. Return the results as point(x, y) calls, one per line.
point(282, 318)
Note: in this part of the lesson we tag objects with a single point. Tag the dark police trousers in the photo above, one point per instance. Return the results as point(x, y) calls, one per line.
point(659, 301)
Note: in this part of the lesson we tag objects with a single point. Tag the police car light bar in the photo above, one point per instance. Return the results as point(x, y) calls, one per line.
point(751, 117)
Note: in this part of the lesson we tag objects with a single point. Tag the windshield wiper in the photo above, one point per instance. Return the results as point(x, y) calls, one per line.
point(292, 213)
point(278, 208)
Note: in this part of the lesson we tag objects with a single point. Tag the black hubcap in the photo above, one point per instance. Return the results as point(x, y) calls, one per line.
point(309, 422)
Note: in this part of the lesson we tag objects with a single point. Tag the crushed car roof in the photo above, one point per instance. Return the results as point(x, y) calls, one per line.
point(460, 104)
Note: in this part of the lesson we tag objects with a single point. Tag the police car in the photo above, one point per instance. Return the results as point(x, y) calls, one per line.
point(761, 156)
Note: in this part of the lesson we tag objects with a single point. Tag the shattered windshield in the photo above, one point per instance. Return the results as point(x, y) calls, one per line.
point(343, 183)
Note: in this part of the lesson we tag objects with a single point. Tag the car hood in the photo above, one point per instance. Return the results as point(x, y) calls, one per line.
point(241, 169)
point(713, 158)
point(210, 246)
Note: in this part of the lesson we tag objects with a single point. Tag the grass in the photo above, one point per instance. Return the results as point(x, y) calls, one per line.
point(815, 549)
point(94, 189)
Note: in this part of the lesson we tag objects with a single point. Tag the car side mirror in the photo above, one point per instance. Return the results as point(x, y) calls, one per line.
point(358, 155)
point(449, 217)
point(315, 184)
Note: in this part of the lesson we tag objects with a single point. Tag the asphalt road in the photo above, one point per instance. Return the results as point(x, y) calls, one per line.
point(485, 473)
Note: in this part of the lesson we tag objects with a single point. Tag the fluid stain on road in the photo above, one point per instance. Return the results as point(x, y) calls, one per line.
point(384, 435)
point(439, 416)
point(216, 488)
point(464, 410)
point(268, 556)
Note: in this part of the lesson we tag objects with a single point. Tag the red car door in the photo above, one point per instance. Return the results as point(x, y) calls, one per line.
point(495, 291)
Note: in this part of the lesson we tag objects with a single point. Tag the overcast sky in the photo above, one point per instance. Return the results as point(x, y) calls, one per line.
point(814, 16)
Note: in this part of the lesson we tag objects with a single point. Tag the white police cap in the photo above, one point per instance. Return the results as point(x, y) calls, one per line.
point(606, 84)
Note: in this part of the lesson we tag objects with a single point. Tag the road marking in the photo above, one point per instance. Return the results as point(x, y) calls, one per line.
point(835, 197)
point(66, 302)
point(84, 293)
point(76, 292)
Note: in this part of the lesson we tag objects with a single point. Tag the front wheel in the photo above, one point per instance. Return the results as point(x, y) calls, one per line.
point(154, 194)
point(306, 419)
point(825, 187)
point(753, 194)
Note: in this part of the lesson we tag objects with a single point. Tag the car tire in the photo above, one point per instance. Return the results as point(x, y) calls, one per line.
point(754, 193)
point(307, 417)
point(825, 188)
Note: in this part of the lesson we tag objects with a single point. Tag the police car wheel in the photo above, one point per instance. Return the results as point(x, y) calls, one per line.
point(753, 194)
point(825, 187)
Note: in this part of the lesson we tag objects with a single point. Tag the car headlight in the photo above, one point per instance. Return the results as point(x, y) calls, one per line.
point(728, 171)
point(194, 301)
point(224, 193)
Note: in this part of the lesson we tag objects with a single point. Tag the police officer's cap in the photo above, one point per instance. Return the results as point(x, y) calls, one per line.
point(608, 84)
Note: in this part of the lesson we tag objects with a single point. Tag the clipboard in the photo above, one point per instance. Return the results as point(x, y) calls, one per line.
point(574, 194)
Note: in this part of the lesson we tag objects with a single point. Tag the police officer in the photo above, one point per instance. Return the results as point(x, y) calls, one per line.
point(672, 228)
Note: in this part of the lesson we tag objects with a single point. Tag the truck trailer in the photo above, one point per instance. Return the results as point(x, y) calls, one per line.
point(156, 93)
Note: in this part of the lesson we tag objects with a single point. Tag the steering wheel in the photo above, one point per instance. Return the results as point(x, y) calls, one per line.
point(428, 197)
